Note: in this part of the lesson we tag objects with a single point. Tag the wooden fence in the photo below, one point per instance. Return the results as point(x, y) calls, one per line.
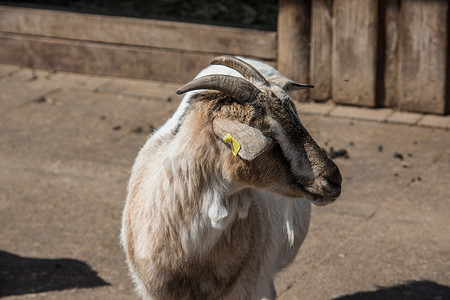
point(374, 53)
point(392, 53)
point(117, 46)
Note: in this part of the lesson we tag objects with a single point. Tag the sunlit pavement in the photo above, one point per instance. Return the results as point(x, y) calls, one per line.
point(68, 141)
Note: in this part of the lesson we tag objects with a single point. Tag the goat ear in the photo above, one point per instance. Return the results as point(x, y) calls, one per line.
point(245, 141)
point(287, 84)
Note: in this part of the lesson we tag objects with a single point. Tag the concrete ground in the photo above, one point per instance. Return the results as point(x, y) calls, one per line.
point(68, 141)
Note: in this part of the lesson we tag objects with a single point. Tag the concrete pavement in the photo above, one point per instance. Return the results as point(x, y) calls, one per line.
point(67, 143)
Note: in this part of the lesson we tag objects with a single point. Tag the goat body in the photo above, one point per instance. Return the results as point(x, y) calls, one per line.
point(202, 223)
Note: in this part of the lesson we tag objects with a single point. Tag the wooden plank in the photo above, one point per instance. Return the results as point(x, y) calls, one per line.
point(95, 58)
point(139, 32)
point(355, 52)
point(423, 52)
point(293, 41)
point(391, 11)
point(320, 57)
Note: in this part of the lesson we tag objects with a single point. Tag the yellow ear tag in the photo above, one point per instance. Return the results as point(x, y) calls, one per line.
point(235, 147)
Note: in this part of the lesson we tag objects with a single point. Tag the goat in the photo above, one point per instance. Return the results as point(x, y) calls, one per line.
point(219, 197)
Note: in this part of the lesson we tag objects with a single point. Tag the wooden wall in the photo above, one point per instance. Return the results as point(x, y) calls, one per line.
point(374, 53)
point(136, 48)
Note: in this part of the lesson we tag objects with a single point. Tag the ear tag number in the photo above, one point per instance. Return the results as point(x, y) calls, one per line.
point(235, 146)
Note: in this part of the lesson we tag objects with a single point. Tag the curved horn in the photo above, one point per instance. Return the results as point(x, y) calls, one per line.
point(235, 87)
point(247, 70)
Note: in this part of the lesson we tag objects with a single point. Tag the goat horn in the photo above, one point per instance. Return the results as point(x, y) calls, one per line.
point(247, 70)
point(235, 87)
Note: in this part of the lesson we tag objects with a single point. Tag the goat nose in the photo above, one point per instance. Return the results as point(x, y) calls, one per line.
point(333, 175)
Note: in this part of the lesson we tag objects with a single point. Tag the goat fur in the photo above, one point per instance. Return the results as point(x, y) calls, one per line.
point(189, 231)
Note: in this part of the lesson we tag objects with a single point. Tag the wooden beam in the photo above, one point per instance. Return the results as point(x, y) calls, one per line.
point(391, 11)
point(139, 32)
point(293, 41)
point(96, 58)
point(423, 53)
point(320, 57)
point(355, 52)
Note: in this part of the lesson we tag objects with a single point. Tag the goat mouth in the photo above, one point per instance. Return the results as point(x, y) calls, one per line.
point(317, 199)
point(323, 201)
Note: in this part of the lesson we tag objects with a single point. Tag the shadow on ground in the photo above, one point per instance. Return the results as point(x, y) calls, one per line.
point(22, 275)
point(423, 290)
